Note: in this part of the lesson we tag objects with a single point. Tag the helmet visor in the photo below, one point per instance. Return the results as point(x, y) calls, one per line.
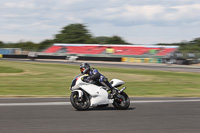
point(82, 69)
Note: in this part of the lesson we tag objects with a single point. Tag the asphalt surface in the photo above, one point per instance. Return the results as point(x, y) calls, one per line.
point(145, 115)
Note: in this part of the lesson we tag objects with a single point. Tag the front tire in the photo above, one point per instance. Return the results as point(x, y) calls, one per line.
point(122, 101)
point(82, 105)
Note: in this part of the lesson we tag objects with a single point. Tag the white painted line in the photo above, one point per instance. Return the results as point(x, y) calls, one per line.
point(166, 101)
point(34, 98)
point(35, 104)
point(68, 103)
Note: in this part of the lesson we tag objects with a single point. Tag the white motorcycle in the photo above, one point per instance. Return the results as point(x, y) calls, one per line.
point(85, 95)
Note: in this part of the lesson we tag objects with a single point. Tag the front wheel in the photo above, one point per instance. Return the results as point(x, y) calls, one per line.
point(82, 104)
point(122, 101)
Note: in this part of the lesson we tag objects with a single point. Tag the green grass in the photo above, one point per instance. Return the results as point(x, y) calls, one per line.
point(41, 79)
point(9, 70)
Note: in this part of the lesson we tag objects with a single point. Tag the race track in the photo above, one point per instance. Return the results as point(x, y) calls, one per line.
point(56, 115)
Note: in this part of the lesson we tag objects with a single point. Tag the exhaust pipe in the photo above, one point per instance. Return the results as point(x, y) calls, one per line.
point(122, 89)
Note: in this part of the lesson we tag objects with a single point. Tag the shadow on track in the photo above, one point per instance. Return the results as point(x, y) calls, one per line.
point(106, 109)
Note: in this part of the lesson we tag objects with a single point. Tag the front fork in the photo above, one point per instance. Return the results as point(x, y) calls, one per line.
point(80, 95)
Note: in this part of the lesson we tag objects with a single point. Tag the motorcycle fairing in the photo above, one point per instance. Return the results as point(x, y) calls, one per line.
point(98, 95)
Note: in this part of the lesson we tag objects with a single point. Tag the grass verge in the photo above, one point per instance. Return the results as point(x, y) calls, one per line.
point(42, 79)
point(9, 70)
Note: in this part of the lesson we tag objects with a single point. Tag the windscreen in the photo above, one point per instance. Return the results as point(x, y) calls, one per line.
point(74, 80)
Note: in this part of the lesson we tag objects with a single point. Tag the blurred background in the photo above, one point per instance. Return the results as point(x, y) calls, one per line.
point(75, 42)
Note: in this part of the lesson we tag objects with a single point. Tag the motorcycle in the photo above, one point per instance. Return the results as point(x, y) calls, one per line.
point(85, 95)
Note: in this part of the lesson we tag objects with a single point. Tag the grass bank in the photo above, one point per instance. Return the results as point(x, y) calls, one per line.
point(42, 79)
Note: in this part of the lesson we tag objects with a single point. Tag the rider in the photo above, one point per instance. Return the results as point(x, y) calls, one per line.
point(94, 75)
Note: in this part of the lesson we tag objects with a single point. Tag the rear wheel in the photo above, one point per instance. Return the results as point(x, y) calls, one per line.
point(80, 104)
point(122, 101)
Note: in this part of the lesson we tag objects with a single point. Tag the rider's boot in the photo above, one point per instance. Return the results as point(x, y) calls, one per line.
point(113, 93)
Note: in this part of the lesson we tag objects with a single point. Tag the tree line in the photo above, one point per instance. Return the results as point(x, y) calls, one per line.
point(73, 34)
point(187, 46)
point(78, 34)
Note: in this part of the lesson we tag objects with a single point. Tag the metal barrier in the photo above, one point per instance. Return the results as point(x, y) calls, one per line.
point(141, 60)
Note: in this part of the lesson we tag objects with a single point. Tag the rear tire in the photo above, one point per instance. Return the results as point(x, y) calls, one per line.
point(82, 105)
point(122, 101)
